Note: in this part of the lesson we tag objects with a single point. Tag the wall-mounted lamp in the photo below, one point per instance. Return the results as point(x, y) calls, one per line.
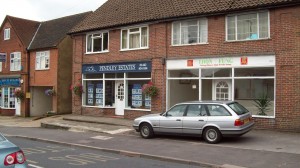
point(194, 86)
point(21, 81)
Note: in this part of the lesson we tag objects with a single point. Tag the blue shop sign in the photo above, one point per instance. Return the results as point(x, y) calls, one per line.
point(10, 82)
point(117, 67)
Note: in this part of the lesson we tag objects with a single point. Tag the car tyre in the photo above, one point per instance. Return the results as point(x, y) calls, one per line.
point(212, 135)
point(146, 131)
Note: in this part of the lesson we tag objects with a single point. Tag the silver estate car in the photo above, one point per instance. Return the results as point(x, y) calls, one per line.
point(210, 119)
point(11, 156)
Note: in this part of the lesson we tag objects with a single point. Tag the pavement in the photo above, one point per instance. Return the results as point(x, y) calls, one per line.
point(277, 149)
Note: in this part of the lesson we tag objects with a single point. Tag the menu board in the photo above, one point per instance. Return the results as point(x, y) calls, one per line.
point(137, 96)
point(99, 94)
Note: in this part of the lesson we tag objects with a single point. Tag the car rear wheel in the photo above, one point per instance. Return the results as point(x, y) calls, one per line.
point(146, 131)
point(212, 135)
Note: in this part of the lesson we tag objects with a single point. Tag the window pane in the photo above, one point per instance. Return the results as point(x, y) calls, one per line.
point(203, 30)
point(261, 71)
point(194, 110)
point(184, 33)
point(105, 41)
point(177, 111)
point(89, 43)
point(247, 26)
point(134, 30)
point(109, 93)
point(144, 37)
point(184, 73)
point(231, 28)
point(97, 45)
point(134, 41)
point(176, 33)
point(216, 110)
point(124, 39)
point(216, 72)
point(263, 25)
point(136, 98)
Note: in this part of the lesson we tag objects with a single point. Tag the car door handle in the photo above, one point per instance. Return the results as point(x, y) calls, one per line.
point(200, 120)
point(178, 120)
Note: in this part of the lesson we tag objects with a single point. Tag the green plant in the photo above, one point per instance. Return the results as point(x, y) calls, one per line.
point(77, 89)
point(263, 103)
point(150, 89)
point(19, 94)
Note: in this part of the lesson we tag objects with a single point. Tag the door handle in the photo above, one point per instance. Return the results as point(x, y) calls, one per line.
point(200, 120)
point(178, 120)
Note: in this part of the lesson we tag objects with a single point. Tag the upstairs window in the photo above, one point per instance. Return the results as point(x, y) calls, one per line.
point(134, 38)
point(97, 42)
point(7, 34)
point(249, 26)
point(189, 32)
point(15, 61)
point(42, 60)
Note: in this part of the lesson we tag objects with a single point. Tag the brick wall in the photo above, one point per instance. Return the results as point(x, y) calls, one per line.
point(284, 44)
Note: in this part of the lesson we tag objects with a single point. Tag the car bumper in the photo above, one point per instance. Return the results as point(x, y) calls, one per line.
point(136, 127)
point(237, 132)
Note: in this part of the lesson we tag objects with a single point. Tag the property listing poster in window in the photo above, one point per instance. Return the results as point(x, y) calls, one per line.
point(99, 94)
point(147, 101)
point(137, 97)
point(90, 93)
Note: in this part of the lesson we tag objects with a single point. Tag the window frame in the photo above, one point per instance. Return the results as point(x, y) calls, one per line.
point(247, 13)
point(47, 55)
point(7, 34)
point(198, 32)
point(10, 91)
point(92, 45)
point(12, 65)
point(128, 37)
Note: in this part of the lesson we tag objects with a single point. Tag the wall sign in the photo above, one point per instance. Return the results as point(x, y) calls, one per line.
point(10, 82)
point(117, 67)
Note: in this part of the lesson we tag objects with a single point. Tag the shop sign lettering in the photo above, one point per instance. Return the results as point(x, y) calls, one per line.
point(216, 62)
point(10, 82)
point(117, 68)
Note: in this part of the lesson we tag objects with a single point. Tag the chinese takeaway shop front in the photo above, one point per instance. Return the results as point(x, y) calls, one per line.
point(115, 88)
point(242, 79)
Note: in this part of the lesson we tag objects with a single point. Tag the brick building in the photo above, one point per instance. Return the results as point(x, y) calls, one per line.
point(190, 50)
point(15, 37)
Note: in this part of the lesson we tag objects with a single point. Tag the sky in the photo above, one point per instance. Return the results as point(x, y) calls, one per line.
point(42, 10)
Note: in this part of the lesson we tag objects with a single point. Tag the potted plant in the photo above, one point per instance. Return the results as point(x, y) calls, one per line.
point(77, 89)
point(19, 94)
point(50, 92)
point(150, 89)
point(263, 103)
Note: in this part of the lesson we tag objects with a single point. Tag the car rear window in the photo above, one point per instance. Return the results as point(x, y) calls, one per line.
point(237, 108)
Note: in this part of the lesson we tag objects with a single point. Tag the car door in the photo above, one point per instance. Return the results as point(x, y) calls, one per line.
point(171, 121)
point(195, 119)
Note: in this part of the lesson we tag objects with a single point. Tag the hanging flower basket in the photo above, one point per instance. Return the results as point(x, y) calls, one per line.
point(77, 89)
point(50, 92)
point(149, 89)
point(19, 94)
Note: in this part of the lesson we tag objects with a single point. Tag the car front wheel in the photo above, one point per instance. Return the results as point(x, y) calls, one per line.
point(212, 135)
point(146, 131)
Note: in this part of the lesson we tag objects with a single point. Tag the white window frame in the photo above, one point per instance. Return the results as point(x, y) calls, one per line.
point(128, 37)
point(7, 34)
point(95, 37)
point(198, 33)
point(42, 55)
point(9, 98)
point(15, 60)
point(248, 13)
point(0, 66)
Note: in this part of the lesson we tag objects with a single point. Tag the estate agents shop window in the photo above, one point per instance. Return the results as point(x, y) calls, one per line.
point(242, 79)
point(7, 89)
point(116, 86)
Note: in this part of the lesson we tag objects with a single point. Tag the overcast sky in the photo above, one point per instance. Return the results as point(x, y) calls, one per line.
point(42, 10)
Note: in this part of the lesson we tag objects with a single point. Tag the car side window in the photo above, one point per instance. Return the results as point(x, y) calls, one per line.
point(196, 110)
point(217, 110)
point(177, 111)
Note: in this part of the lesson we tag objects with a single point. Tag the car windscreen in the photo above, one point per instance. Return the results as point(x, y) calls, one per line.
point(237, 108)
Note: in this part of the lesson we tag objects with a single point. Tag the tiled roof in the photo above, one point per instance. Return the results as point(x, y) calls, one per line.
point(25, 29)
point(50, 33)
point(124, 12)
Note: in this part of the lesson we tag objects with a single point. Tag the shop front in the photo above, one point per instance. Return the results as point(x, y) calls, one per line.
point(244, 79)
point(9, 104)
point(116, 87)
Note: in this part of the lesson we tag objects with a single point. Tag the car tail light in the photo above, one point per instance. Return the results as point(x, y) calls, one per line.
point(238, 122)
point(14, 158)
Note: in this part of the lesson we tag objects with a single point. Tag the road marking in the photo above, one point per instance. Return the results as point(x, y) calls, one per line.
point(31, 165)
point(31, 161)
point(102, 137)
point(41, 150)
